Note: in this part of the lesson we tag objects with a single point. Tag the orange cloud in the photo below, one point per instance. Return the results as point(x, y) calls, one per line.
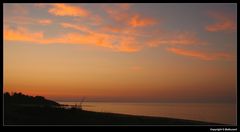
point(201, 55)
point(90, 37)
point(221, 26)
point(128, 31)
point(45, 21)
point(21, 34)
point(128, 44)
point(137, 21)
point(224, 23)
point(67, 10)
point(101, 39)
point(118, 42)
point(121, 14)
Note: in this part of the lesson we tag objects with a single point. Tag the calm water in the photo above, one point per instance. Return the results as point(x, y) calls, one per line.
point(211, 112)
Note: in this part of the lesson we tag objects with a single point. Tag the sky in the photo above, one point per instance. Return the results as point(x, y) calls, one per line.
point(121, 52)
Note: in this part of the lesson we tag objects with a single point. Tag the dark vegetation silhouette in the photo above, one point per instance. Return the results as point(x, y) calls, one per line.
point(21, 99)
point(20, 109)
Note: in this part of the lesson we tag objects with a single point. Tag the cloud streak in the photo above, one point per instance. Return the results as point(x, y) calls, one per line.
point(77, 27)
point(115, 42)
point(23, 20)
point(201, 55)
point(223, 23)
point(90, 37)
point(45, 21)
point(176, 38)
point(118, 42)
point(23, 34)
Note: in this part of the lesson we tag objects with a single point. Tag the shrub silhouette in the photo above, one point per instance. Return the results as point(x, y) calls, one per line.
point(19, 98)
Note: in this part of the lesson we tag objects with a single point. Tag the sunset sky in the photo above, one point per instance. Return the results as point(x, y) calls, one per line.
point(122, 52)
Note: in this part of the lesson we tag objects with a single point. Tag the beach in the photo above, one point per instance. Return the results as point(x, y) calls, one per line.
point(47, 115)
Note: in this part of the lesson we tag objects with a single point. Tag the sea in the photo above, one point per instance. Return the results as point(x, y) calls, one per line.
point(224, 113)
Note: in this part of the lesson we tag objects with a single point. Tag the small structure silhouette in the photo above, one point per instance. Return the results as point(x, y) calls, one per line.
point(80, 105)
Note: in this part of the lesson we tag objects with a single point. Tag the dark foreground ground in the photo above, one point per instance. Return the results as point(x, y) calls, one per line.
point(20, 109)
point(36, 115)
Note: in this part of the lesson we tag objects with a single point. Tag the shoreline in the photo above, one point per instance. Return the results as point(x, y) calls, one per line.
point(32, 115)
point(194, 112)
point(20, 109)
